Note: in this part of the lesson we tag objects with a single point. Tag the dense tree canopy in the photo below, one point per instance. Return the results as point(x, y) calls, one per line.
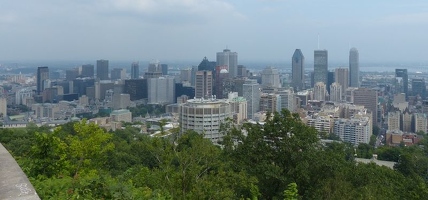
point(282, 159)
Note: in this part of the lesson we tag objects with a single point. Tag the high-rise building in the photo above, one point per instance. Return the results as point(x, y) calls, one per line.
point(353, 130)
point(230, 59)
point(367, 98)
point(270, 78)
point(102, 69)
point(270, 103)
point(420, 122)
point(71, 74)
point(42, 75)
point(161, 90)
point(342, 77)
point(251, 92)
point(336, 92)
point(354, 68)
point(88, 71)
point(320, 91)
point(205, 116)
point(118, 74)
point(135, 70)
point(3, 107)
point(221, 75)
point(330, 80)
point(402, 81)
point(298, 70)
point(154, 70)
point(164, 68)
point(136, 88)
point(419, 87)
point(204, 84)
point(320, 66)
point(394, 120)
point(287, 99)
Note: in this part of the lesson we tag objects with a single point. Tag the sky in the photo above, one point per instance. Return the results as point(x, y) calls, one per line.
point(184, 30)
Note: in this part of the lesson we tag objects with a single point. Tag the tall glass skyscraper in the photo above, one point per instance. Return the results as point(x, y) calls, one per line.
point(102, 69)
point(230, 59)
point(320, 66)
point(298, 70)
point(135, 70)
point(354, 68)
point(42, 75)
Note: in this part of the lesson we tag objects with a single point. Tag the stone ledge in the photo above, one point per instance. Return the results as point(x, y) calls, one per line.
point(14, 184)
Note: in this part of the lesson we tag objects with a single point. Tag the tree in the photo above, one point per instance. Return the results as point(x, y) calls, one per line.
point(291, 193)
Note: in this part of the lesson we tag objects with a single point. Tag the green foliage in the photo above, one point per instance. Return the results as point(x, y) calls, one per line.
point(291, 193)
point(282, 159)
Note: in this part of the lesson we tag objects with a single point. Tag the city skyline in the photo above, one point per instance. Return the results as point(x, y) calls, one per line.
point(259, 30)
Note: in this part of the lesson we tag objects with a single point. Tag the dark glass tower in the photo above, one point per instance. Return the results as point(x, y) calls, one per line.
point(298, 70)
point(135, 70)
point(88, 71)
point(42, 75)
point(102, 69)
point(402, 81)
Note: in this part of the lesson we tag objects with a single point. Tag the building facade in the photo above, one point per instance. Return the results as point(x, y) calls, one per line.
point(102, 69)
point(320, 66)
point(354, 68)
point(298, 70)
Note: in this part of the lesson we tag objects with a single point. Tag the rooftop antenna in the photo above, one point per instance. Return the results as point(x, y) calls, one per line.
point(318, 41)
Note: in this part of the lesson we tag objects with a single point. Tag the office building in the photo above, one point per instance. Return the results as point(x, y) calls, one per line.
point(341, 76)
point(135, 70)
point(161, 90)
point(298, 70)
point(121, 101)
point(287, 99)
point(204, 84)
point(87, 71)
point(270, 103)
point(136, 88)
point(320, 91)
point(336, 92)
point(402, 81)
point(270, 78)
point(102, 69)
point(3, 107)
point(354, 68)
point(181, 90)
point(118, 74)
point(320, 66)
point(420, 122)
point(221, 75)
point(71, 74)
point(154, 70)
point(419, 87)
point(42, 75)
point(230, 59)
point(367, 98)
point(164, 68)
point(251, 92)
point(394, 120)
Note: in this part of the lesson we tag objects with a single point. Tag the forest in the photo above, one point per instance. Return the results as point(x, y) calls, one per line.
point(283, 159)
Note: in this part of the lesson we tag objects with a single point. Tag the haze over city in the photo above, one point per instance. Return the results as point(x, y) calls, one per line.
point(177, 30)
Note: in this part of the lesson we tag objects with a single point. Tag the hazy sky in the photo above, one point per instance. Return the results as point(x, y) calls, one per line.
point(259, 30)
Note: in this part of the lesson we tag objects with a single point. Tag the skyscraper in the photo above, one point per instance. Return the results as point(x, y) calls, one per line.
point(320, 66)
point(230, 59)
point(270, 78)
point(367, 98)
point(204, 84)
point(42, 75)
point(118, 74)
point(342, 77)
point(354, 68)
point(251, 92)
point(419, 87)
point(402, 81)
point(88, 71)
point(319, 91)
point(102, 69)
point(135, 70)
point(298, 70)
point(335, 92)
